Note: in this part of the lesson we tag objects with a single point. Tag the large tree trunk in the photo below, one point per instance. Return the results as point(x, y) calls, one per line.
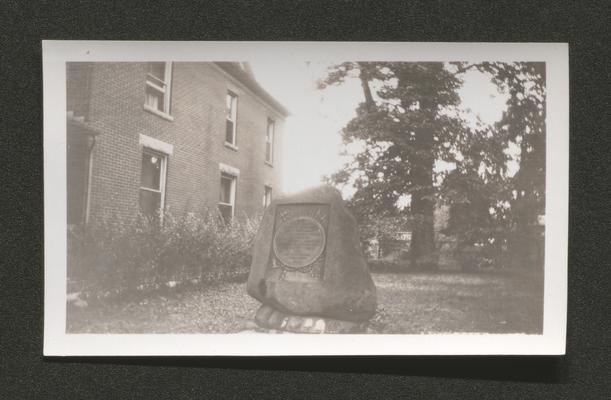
point(422, 250)
point(422, 247)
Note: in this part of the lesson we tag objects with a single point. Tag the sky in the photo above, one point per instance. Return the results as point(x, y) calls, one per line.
point(312, 134)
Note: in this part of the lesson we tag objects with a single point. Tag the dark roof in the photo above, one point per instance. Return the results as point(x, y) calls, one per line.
point(246, 77)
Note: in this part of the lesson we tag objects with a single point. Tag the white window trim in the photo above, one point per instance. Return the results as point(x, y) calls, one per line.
point(265, 187)
point(232, 194)
point(231, 146)
point(167, 92)
point(228, 169)
point(162, 178)
point(158, 113)
point(234, 119)
point(156, 144)
point(235, 173)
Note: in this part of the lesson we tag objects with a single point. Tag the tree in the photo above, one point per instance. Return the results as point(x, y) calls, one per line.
point(524, 125)
point(515, 201)
point(403, 126)
point(410, 119)
point(477, 192)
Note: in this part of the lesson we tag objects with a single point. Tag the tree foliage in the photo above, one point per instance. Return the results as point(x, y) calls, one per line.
point(404, 125)
point(410, 120)
point(514, 201)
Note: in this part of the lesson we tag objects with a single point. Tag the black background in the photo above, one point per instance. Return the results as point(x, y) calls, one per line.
point(585, 371)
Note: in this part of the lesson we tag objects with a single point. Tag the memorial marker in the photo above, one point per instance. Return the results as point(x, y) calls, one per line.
point(308, 270)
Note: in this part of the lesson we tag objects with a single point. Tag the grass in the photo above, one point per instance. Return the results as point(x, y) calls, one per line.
point(490, 302)
point(408, 303)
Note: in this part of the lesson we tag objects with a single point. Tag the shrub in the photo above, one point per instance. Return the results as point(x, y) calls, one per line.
point(112, 257)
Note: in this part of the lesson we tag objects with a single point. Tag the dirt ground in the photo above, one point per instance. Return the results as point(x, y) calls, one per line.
point(409, 303)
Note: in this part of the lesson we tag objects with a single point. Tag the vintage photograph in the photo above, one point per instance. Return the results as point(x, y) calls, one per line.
point(307, 196)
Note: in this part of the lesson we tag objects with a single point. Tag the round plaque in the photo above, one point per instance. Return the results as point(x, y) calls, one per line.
point(299, 242)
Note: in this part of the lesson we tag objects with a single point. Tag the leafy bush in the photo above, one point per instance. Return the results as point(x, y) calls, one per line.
point(112, 257)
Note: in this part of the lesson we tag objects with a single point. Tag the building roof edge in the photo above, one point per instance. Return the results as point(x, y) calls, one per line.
point(248, 80)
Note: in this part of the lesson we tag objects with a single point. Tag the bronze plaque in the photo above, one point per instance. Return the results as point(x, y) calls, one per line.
point(299, 241)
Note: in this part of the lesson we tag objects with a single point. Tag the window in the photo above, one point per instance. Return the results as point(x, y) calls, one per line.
point(269, 141)
point(267, 196)
point(152, 182)
point(232, 113)
point(227, 197)
point(158, 84)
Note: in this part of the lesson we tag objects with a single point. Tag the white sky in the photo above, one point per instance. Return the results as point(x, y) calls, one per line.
point(312, 139)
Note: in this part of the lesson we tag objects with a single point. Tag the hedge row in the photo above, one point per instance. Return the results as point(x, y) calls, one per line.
point(111, 257)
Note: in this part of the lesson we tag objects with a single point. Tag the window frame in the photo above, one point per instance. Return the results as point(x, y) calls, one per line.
point(234, 119)
point(270, 140)
point(162, 178)
point(267, 189)
point(165, 89)
point(233, 190)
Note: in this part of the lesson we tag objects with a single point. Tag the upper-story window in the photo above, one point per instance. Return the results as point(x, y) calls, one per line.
point(269, 141)
point(158, 86)
point(232, 116)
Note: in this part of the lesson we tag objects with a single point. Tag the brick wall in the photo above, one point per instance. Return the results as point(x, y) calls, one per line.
point(197, 132)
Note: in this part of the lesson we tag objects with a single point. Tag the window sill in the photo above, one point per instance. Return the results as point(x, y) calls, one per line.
point(231, 146)
point(269, 164)
point(158, 113)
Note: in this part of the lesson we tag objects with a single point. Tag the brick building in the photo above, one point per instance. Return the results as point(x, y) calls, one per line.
point(182, 136)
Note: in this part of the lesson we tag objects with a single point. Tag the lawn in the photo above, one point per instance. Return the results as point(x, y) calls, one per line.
point(491, 302)
point(412, 303)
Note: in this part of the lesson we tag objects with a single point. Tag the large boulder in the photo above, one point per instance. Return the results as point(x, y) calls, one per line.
point(307, 261)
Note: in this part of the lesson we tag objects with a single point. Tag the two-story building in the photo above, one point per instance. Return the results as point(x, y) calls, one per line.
point(178, 136)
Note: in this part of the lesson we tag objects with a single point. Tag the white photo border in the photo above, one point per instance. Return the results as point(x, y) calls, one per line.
point(59, 343)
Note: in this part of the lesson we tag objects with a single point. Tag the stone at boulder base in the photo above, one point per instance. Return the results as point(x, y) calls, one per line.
point(308, 269)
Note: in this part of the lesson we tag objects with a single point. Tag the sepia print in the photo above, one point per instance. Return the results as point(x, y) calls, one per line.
point(289, 202)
